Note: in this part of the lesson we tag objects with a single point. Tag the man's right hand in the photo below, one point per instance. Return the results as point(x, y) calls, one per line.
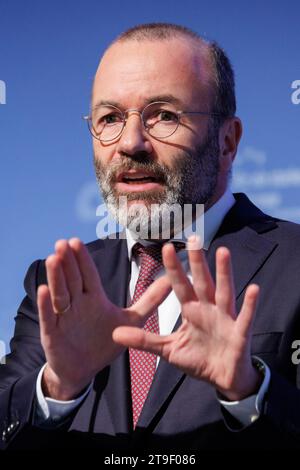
point(78, 342)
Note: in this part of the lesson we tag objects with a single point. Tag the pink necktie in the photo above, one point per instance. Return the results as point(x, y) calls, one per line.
point(143, 364)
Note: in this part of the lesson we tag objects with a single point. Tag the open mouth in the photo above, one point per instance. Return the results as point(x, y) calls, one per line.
point(138, 181)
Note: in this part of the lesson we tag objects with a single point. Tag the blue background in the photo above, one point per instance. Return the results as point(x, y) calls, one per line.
point(48, 54)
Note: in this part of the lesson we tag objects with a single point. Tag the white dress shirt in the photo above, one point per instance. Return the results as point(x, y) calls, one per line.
point(49, 412)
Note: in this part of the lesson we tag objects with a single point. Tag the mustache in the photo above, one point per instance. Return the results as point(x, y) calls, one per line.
point(161, 171)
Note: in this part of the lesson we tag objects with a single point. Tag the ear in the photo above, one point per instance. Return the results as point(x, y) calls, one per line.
point(229, 138)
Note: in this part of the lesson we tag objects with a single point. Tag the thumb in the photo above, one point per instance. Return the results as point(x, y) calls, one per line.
point(156, 293)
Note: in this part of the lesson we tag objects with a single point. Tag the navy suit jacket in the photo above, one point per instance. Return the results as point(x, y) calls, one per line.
point(180, 413)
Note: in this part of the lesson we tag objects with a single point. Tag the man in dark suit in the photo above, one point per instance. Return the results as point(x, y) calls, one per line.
point(164, 131)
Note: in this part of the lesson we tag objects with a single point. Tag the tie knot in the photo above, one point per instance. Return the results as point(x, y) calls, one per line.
point(151, 257)
point(148, 250)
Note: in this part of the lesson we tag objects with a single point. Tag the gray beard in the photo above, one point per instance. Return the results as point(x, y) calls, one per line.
point(192, 180)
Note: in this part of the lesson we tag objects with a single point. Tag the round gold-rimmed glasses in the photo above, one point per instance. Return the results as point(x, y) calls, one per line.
point(160, 119)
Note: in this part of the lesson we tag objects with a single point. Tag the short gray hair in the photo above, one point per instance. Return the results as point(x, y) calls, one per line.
point(222, 74)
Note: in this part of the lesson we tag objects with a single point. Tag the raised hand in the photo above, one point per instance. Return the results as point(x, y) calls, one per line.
point(77, 319)
point(213, 342)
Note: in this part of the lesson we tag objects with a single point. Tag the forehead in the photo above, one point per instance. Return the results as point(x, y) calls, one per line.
point(131, 72)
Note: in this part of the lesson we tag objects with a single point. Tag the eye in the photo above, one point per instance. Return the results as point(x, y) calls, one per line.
point(111, 118)
point(161, 116)
point(164, 115)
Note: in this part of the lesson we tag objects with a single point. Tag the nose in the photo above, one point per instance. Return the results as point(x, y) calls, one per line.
point(134, 138)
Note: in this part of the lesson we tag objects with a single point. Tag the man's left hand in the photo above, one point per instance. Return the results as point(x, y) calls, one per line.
point(213, 342)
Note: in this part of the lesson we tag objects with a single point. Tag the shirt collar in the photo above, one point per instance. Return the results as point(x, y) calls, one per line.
point(212, 220)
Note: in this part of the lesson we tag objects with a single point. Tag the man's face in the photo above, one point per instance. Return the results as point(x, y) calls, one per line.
point(183, 168)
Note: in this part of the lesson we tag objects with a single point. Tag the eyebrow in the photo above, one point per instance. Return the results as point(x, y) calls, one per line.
point(168, 98)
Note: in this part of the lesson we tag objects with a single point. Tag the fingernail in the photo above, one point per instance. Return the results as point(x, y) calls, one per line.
point(194, 243)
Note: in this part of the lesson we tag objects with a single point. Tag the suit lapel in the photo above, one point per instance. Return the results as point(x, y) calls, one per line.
point(241, 232)
point(114, 268)
point(248, 253)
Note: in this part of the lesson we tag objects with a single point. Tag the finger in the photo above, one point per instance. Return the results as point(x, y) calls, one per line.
point(202, 281)
point(70, 267)
point(89, 274)
point(247, 313)
point(225, 295)
point(178, 278)
point(149, 301)
point(46, 313)
point(59, 293)
point(138, 338)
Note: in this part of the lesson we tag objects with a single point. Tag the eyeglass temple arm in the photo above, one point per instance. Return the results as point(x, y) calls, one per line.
point(200, 112)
